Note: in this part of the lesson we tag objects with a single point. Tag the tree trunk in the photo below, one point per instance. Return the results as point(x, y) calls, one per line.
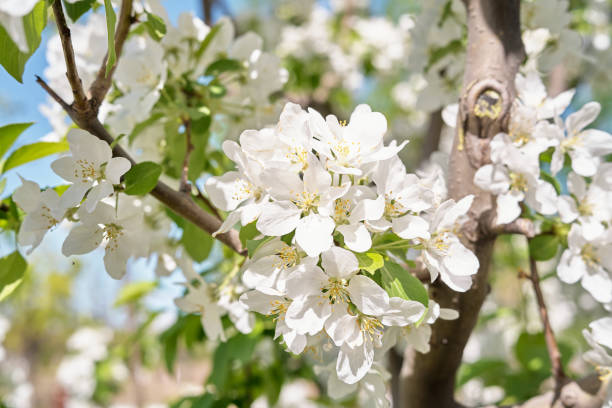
point(494, 54)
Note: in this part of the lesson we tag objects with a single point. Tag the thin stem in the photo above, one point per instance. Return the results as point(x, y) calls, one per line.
point(551, 342)
point(80, 100)
point(99, 88)
point(185, 187)
point(208, 204)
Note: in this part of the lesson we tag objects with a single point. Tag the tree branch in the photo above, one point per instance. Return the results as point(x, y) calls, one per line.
point(80, 100)
point(551, 343)
point(494, 53)
point(178, 202)
point(207, 11)
point(99, 88)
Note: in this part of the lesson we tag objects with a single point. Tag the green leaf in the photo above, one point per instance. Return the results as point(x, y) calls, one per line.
point(555, 183)
point(10, 133)
point(111, 20)
point(370, 261)
point(11, 58)
point(223, 65)
point(12, 269)
point(543, 247)
point(399, 282)
point(31, 152)
point(532, 353)
point(485, 368)
point(142, 178)
point(155, 26)
point(76, 9)
point(2, 185)
point(248, 232)
point(169, 341)
point(216, 89)
point(133, 292)
point(240, 347)
point(140, 127)
point(207, 40)
point(253, 244)
point(197, 243)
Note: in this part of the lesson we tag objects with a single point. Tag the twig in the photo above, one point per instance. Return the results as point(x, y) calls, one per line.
point(551, 343)
point(207, 11)
point(65, 105)
point(185, 187)
point(520, 226)
point(80, 100)
point(207, 202)
point(180, 203)
point(99, 88)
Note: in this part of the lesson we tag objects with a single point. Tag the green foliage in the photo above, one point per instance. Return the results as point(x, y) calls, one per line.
point(11, 58)
point(76, 9)
point(12, 269)
point(399, 282)
point(140, 127)
point(111, 20)
point(370, 261)
point(543, 247)
point(223, 65)
point(155, 25)
point(133, 292)
point(197, 243)
point(248, 233)
point(9, 134)
point(142, 178)
point(31, 152)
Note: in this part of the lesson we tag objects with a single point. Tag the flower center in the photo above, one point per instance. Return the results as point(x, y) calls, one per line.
point(46, 214)
point(298, 155)
point(589, 255)
point(307, 201)
point(243, 189)
point(570, 143)
point(85, 170)
point(393, 208)
point(518, 182)
point(371, 327)
point(336, 291)
point(278, 308)
point(288, 258)
point(585, 208)
point(112, 233)
point(342, 209)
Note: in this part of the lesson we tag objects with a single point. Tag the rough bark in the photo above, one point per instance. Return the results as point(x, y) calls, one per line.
point(494, 53)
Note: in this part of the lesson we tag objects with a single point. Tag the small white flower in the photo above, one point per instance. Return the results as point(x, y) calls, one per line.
point(43, 212)
point(349, 147)
point(514, 177)
point(584, 146)
point(443, 253)
point(270, 302)
point(303, 205)
point(118, 231)
point(590, 205)
point(199, 299)
point(587, 261)
point(91, 168)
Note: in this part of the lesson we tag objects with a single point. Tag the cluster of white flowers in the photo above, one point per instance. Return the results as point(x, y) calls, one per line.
point(515, 177)
point(93, 174)
point(377, 39)
point(322, 192)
